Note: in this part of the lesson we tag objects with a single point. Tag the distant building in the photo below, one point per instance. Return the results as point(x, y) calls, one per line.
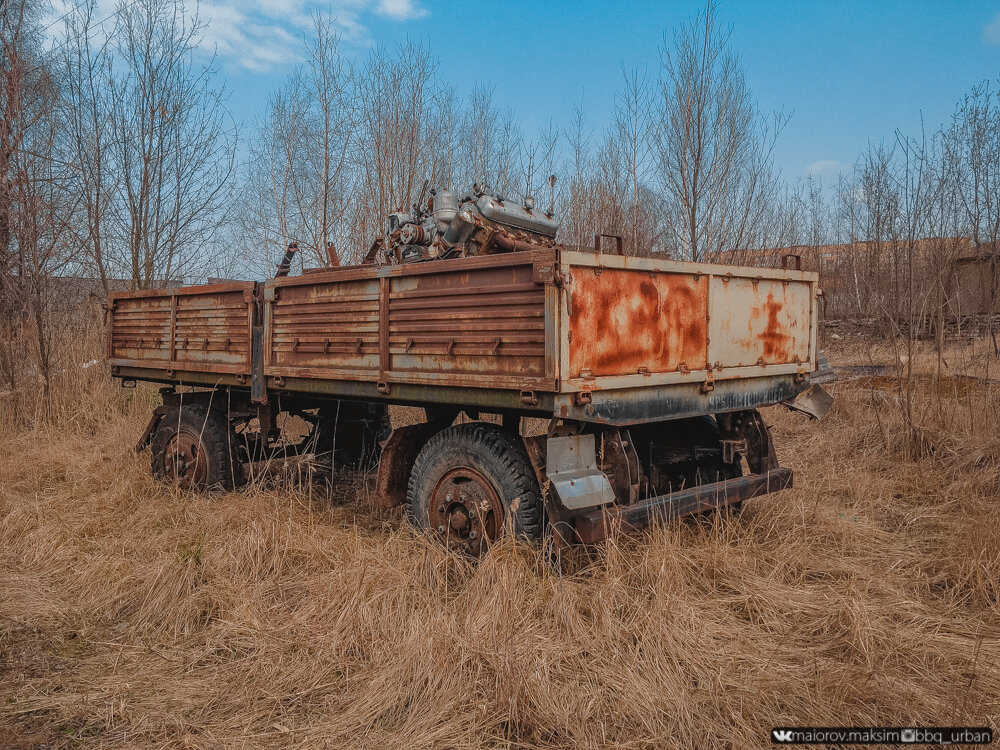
point(866, 278)
point(977, 280)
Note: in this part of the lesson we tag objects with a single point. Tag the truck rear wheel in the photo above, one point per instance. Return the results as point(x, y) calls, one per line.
point(472, 482)
point(192, 449)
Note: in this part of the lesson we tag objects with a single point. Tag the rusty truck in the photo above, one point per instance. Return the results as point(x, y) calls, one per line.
point(642, 376)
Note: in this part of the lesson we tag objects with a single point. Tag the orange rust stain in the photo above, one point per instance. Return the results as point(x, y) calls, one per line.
point(623, 321)
point(773, 338)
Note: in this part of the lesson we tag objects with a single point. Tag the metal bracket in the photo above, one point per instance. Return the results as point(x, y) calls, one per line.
point(733, 449)
point(619, 244)
point(571, 466)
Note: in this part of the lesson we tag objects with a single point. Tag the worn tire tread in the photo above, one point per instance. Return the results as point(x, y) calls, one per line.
point(493, 442)
point(214, 432)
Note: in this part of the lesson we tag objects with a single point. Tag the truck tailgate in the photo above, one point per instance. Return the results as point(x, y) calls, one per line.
point(635, 321)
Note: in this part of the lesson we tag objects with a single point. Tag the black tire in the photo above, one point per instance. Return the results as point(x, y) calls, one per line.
point(490, 461)
point(194, 431)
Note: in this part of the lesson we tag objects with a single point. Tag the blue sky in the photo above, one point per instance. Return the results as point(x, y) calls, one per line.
point(849, 71)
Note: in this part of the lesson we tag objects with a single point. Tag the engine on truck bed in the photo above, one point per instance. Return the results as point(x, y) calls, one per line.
point(477, 223)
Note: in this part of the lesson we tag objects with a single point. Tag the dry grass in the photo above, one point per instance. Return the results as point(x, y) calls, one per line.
point(134, 616)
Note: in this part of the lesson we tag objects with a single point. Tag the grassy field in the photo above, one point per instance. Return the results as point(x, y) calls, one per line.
point(135, 616)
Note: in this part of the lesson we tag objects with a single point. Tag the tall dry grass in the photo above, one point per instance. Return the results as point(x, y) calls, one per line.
point(132, 615)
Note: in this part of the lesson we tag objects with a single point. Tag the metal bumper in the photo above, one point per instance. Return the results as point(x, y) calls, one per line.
point(595, 524)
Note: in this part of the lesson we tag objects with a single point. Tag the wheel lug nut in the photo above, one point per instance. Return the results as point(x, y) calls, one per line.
point(440, 509)
point(440, 529)
point(473, 534)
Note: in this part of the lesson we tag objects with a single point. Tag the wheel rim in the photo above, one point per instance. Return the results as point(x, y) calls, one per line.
point(466, 511)
point(184, 461)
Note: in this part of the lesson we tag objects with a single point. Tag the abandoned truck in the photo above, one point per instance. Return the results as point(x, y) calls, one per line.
point(647, 372)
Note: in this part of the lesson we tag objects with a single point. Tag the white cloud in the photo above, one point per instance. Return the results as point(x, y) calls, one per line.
point(400, 9)
point(261, 35)
point(991, 34)
point(826, 168)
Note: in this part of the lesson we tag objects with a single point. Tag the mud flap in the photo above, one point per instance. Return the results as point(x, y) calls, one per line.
point(815, 402)
point(571, 467)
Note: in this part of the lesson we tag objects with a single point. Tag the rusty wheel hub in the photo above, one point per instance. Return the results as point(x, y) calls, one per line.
point(184, 462)
point(466, 511)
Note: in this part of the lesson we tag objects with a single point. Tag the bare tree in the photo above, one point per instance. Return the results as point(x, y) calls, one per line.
point(490, 144)
point(86, 68)
point(171, 138)
point(972, 148)
point(631, 130)
point(299, 182)
point(401, 138)
point(34, 203)
point(713, 148)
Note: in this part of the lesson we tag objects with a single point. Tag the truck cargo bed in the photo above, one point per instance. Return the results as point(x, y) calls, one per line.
point(599, 338)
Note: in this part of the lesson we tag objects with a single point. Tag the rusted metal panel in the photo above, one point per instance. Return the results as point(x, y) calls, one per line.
point(200, 328)
point(213, 328)
point(759, 322)
point(640, 323)
point(478, 322)
point(140, 329)
point(626, 322)
point(324, 324)
point(483, 321)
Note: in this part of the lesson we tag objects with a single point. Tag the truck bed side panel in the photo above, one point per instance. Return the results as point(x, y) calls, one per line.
point(140, 330)
point(328, 324)
point(483, 322)
point(640, 322)
point(198, 328)
point(478, 321)
point(213, 329)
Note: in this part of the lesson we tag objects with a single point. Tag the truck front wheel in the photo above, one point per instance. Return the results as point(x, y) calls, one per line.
point(470, 484)
point(192, 448)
